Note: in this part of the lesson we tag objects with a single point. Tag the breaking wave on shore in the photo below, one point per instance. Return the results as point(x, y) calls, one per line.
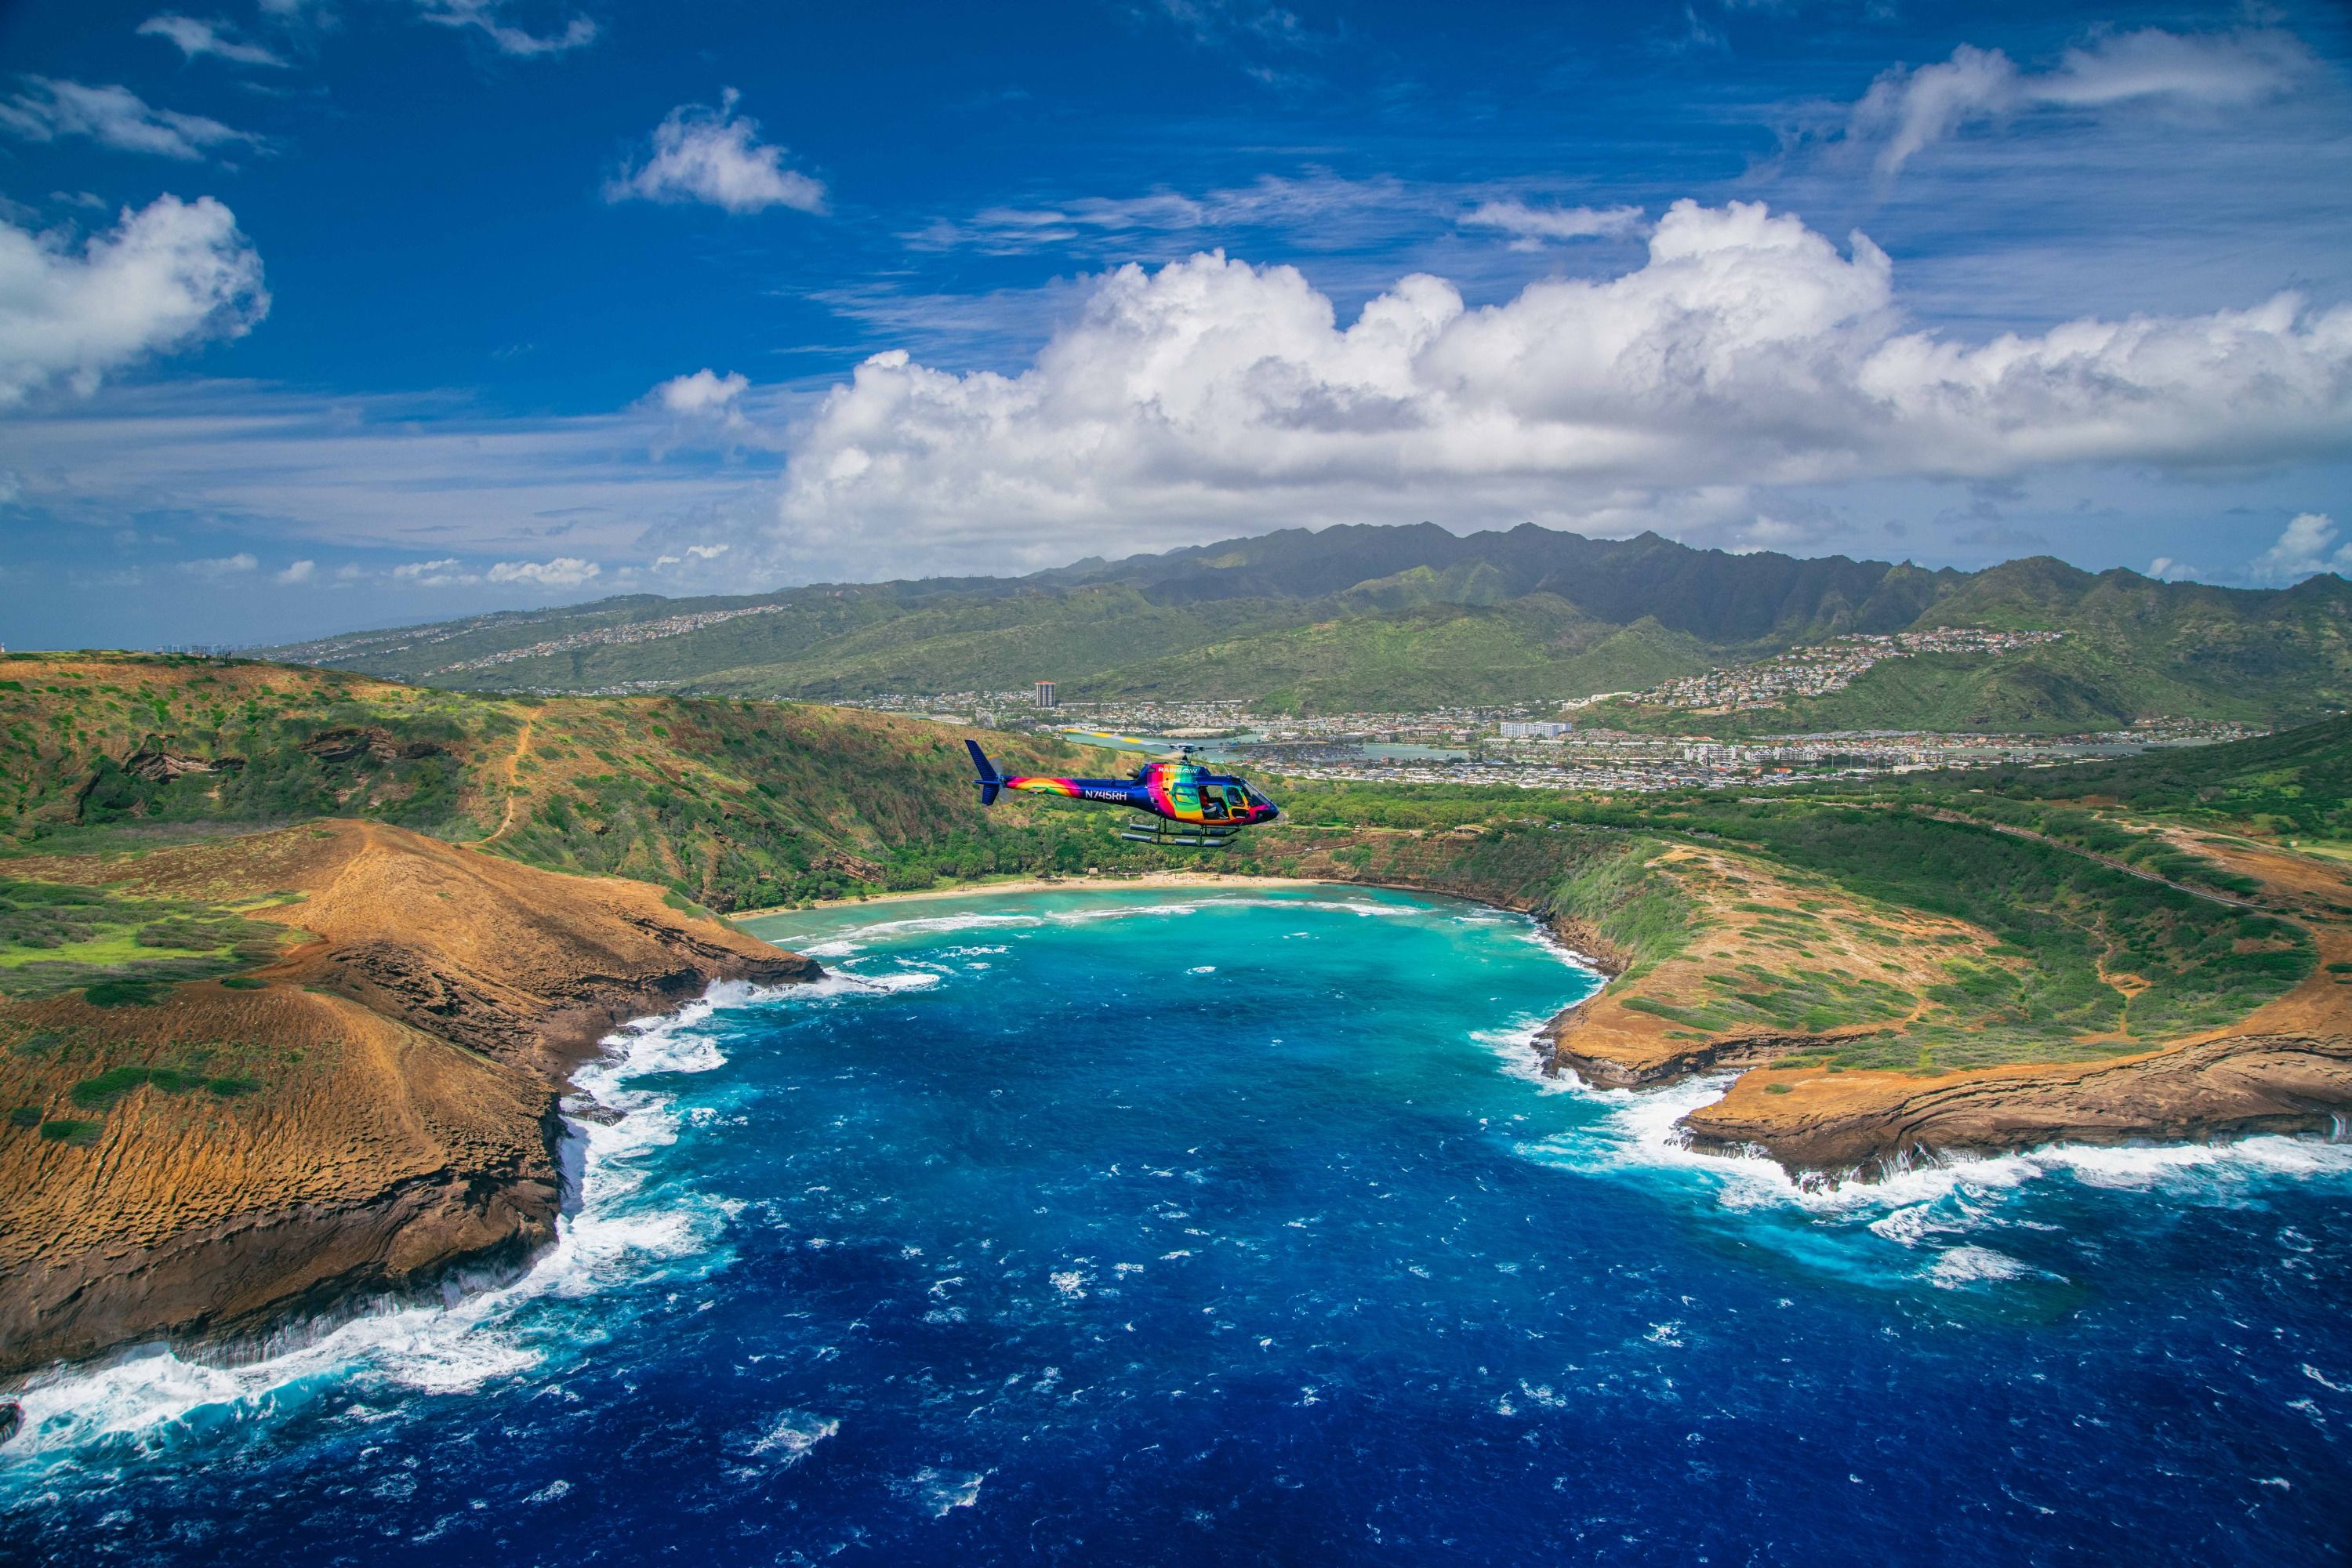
point(624, 1227)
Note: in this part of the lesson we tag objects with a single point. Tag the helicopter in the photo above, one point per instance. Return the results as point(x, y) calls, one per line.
point(1187, 806)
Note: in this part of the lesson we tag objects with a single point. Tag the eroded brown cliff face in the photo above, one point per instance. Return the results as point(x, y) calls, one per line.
point(405, 1055)
point(1866, 1123)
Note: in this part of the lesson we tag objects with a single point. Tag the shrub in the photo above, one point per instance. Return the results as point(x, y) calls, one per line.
point(24, 1116)
point(66, 1129)
point(125, 993)
point(98, 1093)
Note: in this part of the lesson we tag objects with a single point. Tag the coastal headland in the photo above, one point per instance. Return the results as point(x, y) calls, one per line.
point(296, 962)
point(1808, 1040)
point(370, 1111)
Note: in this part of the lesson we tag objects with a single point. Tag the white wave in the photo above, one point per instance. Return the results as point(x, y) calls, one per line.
point(1129, 912)
point(1935, 1197)
point(154, 1399)
point(2204, 1164)
point(1515, 1045)
point(845, 984)
point(941, 1493)
point(789, 1438)
point(1961, 1266)
point(899, 980)
point(857, 939)
point(1541, 934)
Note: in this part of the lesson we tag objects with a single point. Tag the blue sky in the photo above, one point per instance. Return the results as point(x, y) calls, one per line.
point(323, 313)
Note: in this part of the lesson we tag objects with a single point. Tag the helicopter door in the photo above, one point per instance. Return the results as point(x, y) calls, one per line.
point(1212, 803)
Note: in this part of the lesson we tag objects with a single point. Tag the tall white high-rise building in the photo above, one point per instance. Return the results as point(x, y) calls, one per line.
point(1045, 695)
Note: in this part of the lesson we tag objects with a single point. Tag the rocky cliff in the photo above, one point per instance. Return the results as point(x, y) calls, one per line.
point(373, 1112)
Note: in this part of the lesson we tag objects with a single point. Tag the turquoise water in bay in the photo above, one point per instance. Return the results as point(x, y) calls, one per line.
point(1237, 1225)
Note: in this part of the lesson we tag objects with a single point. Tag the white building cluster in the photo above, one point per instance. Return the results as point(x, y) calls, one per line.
point(603, 637)
point(1828, 666)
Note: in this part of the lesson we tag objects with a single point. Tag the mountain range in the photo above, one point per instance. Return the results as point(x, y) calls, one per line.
point(1358, 618)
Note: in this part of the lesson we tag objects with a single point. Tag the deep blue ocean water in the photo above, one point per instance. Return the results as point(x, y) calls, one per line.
point(1134, 1226)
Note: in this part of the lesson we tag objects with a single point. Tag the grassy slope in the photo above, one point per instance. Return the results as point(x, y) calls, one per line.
point(2079, 954)
point(738, 804)
point(731, 804)
point(2296, 780)
point(1374, 619)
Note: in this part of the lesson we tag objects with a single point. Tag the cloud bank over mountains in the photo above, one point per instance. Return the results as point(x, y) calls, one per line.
point(1746, 359)
point(1747, 350)
point(2080, 349)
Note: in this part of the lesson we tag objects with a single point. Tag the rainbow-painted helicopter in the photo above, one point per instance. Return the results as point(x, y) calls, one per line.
point(1188, 805)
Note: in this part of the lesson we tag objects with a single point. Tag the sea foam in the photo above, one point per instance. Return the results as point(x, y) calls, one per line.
point(154, 1400)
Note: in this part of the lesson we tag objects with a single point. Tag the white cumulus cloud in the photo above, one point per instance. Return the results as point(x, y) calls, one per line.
point(1747, 350)
point(2304, 547)
point(715, 156)
point(563, 572)
point(222, 566)
point(704, 391)
point(194, 39)
point(167, 276)
point(1907, 110)
point(50, 110)
point(298, 571)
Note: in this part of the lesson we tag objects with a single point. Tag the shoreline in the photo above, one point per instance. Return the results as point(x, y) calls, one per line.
point(302, 1332)
point(1080, 883)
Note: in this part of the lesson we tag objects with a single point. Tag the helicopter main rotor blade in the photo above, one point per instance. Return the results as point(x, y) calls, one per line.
point(1123, 739)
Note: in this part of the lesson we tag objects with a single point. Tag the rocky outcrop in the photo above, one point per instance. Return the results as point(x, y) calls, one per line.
point(1870, 1124)
point(1624, 1069)
point(350, 742)
point(401, 1128)
point(157, 765)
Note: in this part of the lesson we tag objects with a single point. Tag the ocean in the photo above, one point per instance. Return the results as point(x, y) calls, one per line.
point(1237, 1225)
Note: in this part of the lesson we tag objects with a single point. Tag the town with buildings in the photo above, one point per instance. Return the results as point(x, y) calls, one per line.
point(1518, 746)
point(1818, 670)
point(603, 636)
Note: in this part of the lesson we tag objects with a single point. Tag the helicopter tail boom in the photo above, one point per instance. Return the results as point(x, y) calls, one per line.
point(989, 781)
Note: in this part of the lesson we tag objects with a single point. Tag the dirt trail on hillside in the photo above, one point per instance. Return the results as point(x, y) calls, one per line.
point(513, 770)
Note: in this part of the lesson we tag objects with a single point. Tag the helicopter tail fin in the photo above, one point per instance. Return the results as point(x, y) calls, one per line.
point(990, 780)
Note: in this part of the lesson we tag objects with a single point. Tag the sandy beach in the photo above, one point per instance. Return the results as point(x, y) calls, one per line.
point(1040, 885)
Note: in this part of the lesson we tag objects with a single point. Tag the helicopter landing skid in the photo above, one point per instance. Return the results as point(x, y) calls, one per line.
point(1176, 835)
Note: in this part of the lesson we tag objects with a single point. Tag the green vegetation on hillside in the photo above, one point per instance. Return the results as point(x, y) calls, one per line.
point(55, 937)
point(734, 804)
point(2101, 951)
point(1393, 618)
point(2294, 781)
